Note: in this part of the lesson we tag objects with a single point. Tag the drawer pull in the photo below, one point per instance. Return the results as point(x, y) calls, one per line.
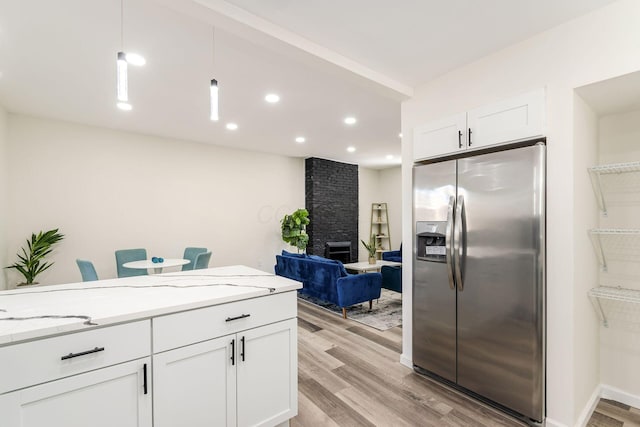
point(84, 353)
point(242, 316)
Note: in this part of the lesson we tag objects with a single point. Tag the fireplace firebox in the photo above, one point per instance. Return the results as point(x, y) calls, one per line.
point(338, 250)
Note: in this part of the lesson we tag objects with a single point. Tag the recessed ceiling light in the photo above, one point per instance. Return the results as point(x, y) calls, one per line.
point(124, 106)
point(400, 135)
point(389, 157)
point(300, 139)
point(135, 59)
point(232, 126)
point(272, 98)
point(351, 149)
point(350, 120)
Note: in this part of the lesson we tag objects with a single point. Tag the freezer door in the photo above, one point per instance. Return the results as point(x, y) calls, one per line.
point(501, 288)
point(434, 295)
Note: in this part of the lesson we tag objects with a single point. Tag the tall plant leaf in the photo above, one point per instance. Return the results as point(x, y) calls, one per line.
point(31, 261)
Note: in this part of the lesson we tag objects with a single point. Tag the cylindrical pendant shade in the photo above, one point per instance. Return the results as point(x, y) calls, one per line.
point(214, 100)
point(123, 90)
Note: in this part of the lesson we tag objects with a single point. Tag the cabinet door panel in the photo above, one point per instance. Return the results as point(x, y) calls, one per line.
point(267, 377)
point(107, 397)
point(195, 385)
point(444, 136)
point(518, 118)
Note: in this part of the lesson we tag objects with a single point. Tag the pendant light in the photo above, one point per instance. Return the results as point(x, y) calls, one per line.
point(213, 88)
point(123, 90)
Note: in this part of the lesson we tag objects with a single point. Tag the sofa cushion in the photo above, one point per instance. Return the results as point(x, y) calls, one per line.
point(343, 271)
point(294, 255)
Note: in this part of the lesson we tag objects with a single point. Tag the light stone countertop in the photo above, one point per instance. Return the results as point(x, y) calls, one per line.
point(32, 312)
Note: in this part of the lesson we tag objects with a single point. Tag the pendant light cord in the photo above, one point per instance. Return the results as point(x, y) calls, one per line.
point(122, 25)
point(213, 49)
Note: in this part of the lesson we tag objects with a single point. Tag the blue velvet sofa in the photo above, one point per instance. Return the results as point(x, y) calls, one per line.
point(328, 280)
point(395, 256)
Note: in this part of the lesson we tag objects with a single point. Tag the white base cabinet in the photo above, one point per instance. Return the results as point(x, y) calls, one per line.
point(107, 397)
point(515, 119)
point(195, 385)
point(231, 364)
point(244, 379)
point(267, 375)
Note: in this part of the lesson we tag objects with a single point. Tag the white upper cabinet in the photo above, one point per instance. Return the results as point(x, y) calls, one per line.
point(442, 136)
point(515, 119)
point(518, 118)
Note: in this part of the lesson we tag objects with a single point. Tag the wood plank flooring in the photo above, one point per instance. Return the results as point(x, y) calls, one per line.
point(350, 375)
point(610, 413)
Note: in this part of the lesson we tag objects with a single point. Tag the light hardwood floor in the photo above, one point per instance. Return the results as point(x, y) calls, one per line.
point(609, 413)
point(350, 375)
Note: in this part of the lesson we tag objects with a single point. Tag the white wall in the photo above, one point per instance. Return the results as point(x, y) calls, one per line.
point(595, 47)
point(378, 186)
point(619, 137)
point(109, 190)
point(586, 333)
point(4, 177)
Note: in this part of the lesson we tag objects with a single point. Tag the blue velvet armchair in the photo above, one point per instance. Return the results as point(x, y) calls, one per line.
point(395, 256)
point(391, 278)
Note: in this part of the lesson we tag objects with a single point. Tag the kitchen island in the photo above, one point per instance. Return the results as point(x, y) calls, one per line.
point(204, 347)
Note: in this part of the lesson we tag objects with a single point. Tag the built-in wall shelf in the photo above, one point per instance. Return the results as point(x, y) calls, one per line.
point(623, 242)
point(625, 174)
point(616, 294)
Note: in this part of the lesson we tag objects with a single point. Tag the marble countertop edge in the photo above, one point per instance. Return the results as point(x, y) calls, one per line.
point(15, 331)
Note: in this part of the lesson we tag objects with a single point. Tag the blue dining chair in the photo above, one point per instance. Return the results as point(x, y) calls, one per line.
point(202, 260)
point(128, 255)
point(87, 270)
point(191, 254)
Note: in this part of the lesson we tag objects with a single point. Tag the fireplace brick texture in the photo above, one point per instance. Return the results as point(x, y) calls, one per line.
point(331, 197)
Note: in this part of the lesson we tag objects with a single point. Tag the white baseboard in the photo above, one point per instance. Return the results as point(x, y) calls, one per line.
point(406, 361)
point(609, 392)
point(584, 416)
point(548, 422)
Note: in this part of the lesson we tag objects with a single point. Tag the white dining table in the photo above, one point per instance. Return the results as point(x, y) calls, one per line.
point(365, 267)
point(147, 264)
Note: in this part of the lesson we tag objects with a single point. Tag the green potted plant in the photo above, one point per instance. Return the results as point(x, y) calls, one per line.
point(31, 260)
point(294, 229)
point(371, 248)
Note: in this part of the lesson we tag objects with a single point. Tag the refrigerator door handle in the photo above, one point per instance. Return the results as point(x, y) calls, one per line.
point(448, 239)
point(459, 244)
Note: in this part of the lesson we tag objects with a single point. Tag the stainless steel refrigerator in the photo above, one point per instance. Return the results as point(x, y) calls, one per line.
point(479, 275)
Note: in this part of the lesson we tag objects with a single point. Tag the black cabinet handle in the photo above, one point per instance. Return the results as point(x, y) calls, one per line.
point(459, 139)
point(469, 137)
point(233, 352)
point(144, 378)
point(242, 316)
point(83, 353)
point(242, 351)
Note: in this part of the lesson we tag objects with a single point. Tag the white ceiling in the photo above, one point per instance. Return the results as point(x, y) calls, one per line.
point(325, 59)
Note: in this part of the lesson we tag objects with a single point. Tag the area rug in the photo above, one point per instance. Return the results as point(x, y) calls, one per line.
point(385, 314)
